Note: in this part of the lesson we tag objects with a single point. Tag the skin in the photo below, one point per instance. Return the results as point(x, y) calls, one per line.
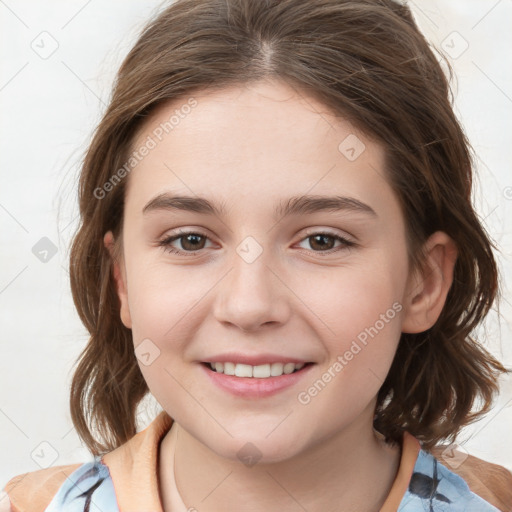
point(250, 147)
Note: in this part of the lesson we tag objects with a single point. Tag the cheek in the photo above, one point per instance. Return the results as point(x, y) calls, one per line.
point(364, 330)
point(162, 298)
point(355, 299)
point(166, 311)
point(161, 308)
point(359, 311)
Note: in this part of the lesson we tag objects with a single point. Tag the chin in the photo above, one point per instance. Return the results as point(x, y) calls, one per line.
point(255, 446)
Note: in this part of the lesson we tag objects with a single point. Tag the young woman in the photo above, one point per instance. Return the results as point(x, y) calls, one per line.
point(277, 241)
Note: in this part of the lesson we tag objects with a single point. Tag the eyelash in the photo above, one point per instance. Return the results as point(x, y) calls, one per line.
point(166, 242)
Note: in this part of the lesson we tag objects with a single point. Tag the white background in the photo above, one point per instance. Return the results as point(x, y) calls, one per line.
point(49, 109)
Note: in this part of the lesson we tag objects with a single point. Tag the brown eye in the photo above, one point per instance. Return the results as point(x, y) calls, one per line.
point(325, 242)
point(319, 242)
point(190, 242)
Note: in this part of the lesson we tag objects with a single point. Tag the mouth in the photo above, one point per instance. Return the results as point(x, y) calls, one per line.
point(247, 381)
point(262, 371)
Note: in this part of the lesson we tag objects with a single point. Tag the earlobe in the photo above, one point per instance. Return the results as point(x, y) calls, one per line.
point(119, 275)
point(428, 288)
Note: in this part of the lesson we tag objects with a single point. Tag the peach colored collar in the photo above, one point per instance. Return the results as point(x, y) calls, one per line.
point(410, 450)
point(133, 468)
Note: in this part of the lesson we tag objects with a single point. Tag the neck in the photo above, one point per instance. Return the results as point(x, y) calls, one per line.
point(353, 470)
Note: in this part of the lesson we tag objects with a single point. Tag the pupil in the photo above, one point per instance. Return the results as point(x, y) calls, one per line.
point(193, 244)
point(321, 245)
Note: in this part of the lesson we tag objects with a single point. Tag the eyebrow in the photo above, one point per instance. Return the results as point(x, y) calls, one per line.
point(298, 205)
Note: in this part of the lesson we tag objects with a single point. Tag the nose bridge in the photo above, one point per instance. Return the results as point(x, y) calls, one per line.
point(251, 267)
point(251, 294)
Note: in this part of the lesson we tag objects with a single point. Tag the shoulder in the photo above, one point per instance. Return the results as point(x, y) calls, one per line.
point(433, 486)
point(49, 490)
point(491, 482)
point(32, 492)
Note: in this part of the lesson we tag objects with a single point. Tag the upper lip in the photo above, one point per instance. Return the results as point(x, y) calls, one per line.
point(254, 360)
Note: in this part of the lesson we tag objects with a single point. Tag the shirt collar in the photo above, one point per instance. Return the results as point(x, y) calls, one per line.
point(133, 468)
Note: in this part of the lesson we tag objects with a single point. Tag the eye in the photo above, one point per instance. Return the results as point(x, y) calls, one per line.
point(323, 242)
point(192, 242)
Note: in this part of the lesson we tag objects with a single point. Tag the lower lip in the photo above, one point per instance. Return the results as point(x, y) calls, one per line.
point(251, 387)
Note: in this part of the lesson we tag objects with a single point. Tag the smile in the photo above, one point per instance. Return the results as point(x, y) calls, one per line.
point(262, 371)
point(259, 381)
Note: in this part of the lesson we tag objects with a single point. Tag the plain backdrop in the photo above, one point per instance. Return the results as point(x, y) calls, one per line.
point(58, 60)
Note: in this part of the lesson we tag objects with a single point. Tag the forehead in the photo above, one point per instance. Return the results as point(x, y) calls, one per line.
point(252, 141)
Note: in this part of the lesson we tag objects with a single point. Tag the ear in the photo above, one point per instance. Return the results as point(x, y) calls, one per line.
point(119, 272)
point(428, 287)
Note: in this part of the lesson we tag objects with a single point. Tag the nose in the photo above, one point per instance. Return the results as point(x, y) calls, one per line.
point(252, 295)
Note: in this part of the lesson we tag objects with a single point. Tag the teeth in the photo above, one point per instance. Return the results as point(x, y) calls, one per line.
point(261, 371)
point(243, 370)
point(229, 369)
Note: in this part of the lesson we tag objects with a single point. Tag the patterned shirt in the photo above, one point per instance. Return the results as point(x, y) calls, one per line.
point(126, 480)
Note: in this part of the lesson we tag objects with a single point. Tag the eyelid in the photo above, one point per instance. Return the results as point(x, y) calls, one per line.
point(346, 243)
point(309, 232)
point(329, 231)
point(165, 242)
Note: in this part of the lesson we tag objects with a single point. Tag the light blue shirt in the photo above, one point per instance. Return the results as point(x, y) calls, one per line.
point(432, 488)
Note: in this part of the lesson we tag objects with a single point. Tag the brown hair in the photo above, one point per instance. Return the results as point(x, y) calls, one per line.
point(366, 61)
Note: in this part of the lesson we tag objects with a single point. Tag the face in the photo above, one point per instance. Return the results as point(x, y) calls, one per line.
point(243, 273)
